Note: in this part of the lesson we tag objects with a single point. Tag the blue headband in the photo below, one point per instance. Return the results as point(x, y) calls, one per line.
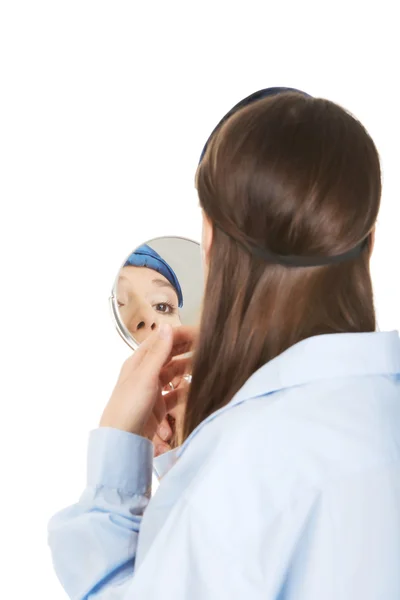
point(144, 256)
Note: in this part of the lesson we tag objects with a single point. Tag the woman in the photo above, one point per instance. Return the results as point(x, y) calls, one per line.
point(287, 486)
point(148, 293)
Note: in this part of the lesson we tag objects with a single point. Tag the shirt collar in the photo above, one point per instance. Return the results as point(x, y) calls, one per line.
point(325, 357)
point(163, 462)
point(314, 359)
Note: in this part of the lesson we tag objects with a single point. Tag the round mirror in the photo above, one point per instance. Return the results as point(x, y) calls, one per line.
point(161, 281)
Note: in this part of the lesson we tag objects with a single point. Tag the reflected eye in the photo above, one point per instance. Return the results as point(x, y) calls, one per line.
point(164, 307)
point(120, 304)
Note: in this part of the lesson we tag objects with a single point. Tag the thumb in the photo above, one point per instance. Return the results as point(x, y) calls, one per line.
point(156, 350)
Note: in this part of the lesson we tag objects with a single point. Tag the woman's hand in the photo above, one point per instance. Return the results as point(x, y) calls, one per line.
point(167, 435)
point(136, 404)
point(169, 431)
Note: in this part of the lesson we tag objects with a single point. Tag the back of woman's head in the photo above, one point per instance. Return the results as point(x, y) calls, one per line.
point(292, 175)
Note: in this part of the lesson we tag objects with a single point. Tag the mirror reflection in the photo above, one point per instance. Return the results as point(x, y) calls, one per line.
point(159, 281)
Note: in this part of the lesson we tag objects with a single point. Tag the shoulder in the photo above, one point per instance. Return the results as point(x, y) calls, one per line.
point(304, 436)
point(247, 482)
point(249, 451)
point(274, 444)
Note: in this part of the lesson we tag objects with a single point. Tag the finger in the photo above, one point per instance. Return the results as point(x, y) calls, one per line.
point(159, 409)
point(175, 383)
point(155, 350)
point(186, 334)
point(150, 427)
point(164, 430)
point(175, 368)
point(176, 398)
point(160, 447)
point(184, 340)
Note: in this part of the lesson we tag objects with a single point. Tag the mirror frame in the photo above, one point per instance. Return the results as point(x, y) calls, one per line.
point(122, 330)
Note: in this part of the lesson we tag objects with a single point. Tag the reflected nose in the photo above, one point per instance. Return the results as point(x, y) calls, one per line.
point(146, 325)
point(142, 322)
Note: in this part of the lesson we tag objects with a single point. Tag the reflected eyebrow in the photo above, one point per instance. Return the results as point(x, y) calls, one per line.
point(163, 283)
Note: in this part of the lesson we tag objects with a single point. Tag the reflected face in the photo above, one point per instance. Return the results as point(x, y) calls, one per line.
point(145, 300)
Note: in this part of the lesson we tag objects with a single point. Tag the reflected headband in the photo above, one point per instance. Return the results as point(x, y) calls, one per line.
point(267, 255)
point(144, 256)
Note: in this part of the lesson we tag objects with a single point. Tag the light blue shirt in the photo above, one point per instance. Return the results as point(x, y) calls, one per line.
point(290, 492)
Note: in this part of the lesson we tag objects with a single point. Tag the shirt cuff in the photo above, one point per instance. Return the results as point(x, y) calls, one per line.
point(119, 460)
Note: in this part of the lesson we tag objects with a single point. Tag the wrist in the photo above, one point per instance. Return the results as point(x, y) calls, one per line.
point(110, 421)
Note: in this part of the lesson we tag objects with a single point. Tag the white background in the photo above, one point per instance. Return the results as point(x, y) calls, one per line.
point(105, 107)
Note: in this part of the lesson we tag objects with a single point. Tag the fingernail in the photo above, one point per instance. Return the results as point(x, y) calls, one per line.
point(163, 433)
point(165, 331)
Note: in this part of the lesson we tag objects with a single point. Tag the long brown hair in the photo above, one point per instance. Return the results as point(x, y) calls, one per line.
point(298, 176)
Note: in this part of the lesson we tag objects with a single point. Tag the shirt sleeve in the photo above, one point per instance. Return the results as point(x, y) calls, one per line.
point(226, 537)
point(93, 542)
point(228, 534)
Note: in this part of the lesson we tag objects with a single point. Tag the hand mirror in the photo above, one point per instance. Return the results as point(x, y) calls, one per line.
point(160, 281)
